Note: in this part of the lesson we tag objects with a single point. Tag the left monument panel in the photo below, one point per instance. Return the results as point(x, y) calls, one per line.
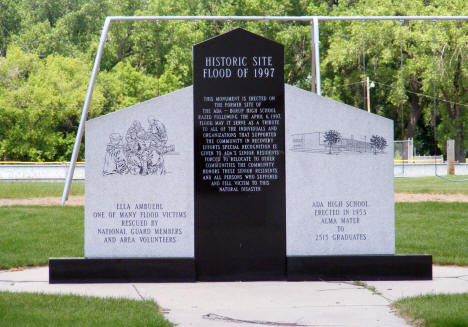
point(139, 196)
point(139, 180)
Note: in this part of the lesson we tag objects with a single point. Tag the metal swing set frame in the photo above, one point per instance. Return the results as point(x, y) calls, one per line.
point(314, 21)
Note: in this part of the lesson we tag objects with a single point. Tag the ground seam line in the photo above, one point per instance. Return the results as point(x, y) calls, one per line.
point(138, 292)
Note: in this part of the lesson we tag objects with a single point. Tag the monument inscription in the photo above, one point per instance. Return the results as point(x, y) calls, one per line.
point(240, 150)
point(239, 157)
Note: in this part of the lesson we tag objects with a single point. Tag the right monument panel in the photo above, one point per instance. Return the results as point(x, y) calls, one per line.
point(339, 178)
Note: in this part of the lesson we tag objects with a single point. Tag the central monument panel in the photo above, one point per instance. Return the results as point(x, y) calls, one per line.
point(239, 149)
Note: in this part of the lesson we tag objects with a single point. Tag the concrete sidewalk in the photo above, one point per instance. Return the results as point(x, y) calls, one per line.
point(259, 303)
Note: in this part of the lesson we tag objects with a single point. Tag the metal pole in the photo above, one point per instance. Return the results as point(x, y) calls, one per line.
point(317, 56)
point(286, 18)
point(312, 59)
point(392, 18)
point(84, 113)
point(434, 89)
point(363, 65)
point(367, 93)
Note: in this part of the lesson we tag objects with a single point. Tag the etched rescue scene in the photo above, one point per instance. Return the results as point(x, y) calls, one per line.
point(141, 153)
point(333, 142)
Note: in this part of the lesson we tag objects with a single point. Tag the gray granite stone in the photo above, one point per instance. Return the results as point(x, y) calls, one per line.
point(139, 180)
point(339, 178)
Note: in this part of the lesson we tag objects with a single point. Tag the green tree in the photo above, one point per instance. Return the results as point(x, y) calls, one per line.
point(402, 93)
point(69, 29)
point(40, 105)
point(452, 86)
point(55, 40)
point(124, 86)
point(9, 23)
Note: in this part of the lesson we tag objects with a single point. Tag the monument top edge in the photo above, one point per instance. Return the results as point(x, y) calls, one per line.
point(235, 31)
point(188, 90)
point(179, 92)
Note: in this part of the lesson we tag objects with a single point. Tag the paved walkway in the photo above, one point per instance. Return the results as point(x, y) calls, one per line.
point(259, 303)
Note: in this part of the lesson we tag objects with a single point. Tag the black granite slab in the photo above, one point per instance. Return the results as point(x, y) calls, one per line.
point(239, 235)
point(135, 270)
point(360, 267)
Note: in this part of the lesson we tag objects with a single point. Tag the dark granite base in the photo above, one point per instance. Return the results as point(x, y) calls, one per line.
point(360, 267)
point(306, 268)
point(160, 270)
point(241, 269)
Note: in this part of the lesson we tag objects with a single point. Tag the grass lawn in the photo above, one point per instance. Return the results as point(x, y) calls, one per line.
point(431, 185)
point(37, 189)
point(441, 310)
point(436, 228)
point(411, 185)
point(24, 309)
point(30, 235)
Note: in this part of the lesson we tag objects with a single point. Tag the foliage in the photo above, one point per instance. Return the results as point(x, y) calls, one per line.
point(435, 310)
point(125, 86)
point(47, 48)
point(9, 23)
point(403, 92)
point(40, 105)
point(25, 309)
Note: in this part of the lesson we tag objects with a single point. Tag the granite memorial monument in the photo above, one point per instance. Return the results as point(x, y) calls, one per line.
point(240, 177)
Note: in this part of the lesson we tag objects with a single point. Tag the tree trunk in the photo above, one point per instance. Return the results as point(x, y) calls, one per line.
point(459, 140)
point(460, 148)
point(3, 45)
point(454, 112)
point(404, 150)
point(416, 105)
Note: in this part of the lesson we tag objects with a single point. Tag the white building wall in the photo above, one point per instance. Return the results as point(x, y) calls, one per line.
point(39, 172)
point(59, 172)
